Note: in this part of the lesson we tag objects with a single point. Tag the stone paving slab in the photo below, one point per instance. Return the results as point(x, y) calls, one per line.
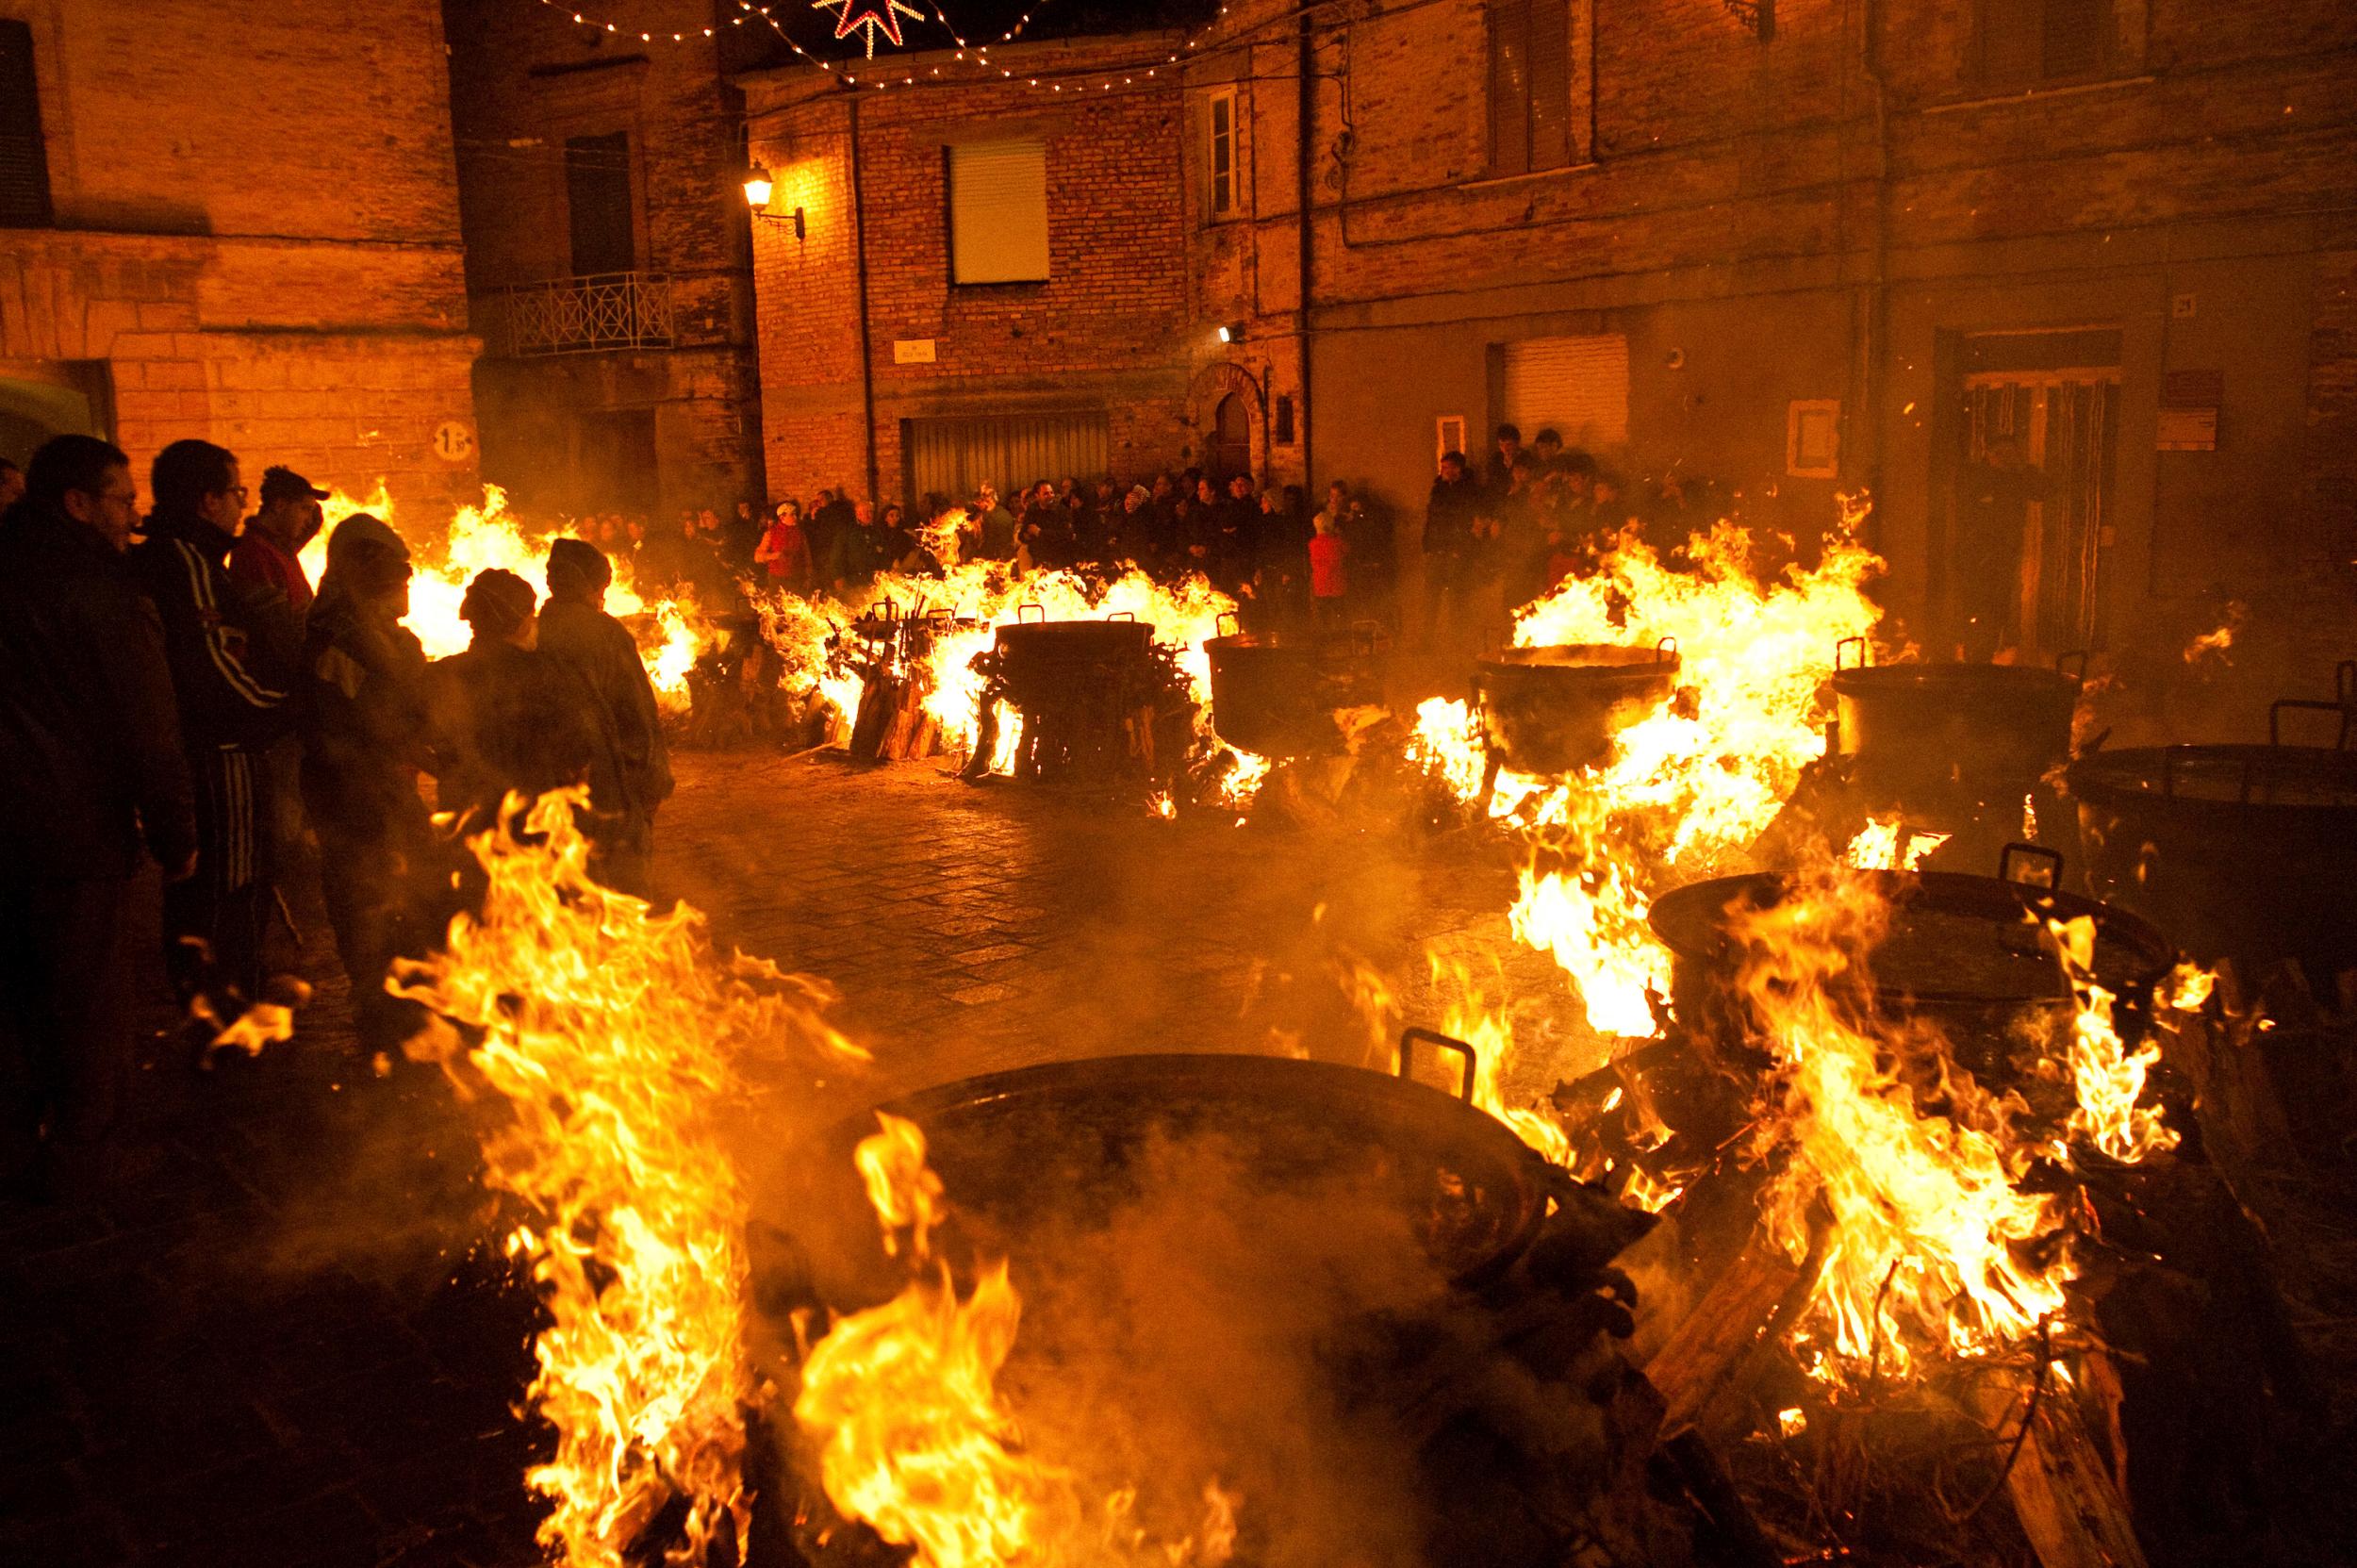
point(289, 1341)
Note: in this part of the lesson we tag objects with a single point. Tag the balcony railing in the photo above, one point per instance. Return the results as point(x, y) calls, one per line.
point(581, 315)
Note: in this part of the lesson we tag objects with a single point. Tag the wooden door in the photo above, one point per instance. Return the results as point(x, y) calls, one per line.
point(2066, 422)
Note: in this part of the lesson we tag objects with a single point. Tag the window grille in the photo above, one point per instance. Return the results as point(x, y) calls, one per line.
point(24, 154)
point(1531, 85)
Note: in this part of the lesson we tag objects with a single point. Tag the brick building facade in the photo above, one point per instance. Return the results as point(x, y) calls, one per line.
point(239, 223)
point(1836, 248)
point(607, 254)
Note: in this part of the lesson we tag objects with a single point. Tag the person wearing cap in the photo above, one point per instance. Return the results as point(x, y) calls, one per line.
point(507, 718)
point(631, 773)
point(364, 742)
point(268, 554)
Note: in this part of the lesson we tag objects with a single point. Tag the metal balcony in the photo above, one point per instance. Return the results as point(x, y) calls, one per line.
point(581, 315)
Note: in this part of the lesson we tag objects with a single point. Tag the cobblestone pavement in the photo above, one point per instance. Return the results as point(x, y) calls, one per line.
point(282, 1340)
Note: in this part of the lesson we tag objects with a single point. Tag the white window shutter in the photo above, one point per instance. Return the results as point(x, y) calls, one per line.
point(1578, 387)
point(999, 212)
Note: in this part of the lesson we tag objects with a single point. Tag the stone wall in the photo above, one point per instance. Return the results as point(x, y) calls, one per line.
point(255, 237)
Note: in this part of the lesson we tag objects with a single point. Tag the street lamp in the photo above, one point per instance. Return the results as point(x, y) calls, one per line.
point(758, 188)
point(1233, 334)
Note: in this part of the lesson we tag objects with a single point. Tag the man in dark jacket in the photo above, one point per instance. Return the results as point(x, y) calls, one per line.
point(576, 631)
point(233, 653)
point(1450, 540)
point(508, 719)
point(94, 767)
point(364, 740)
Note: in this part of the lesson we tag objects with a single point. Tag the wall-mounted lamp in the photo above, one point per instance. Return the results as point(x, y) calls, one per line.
point(758, 188)
point(1233, 334)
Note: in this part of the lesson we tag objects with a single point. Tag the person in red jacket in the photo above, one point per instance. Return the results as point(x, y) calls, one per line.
point(784, 549)
point(1329, 574)
point(268, 554)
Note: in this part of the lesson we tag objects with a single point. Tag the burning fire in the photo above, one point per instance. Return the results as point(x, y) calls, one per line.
point(913, 1435)
point(1892, 846)
point(1896, 1165)
point(2214, 642)
point(1689, 786)
point(608, 1044)
point(982, 596)
point(1901, 1172)
point(479, 538)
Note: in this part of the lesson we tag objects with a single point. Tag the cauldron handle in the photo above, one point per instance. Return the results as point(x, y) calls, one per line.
point(1123, 615)
point(2078, 675)
point(2305, 704)
point(2027, 876)
point(1407, 1038)
point(1859, 643)
point(1221, 619)
point(1041, 608)
point(1667, 649)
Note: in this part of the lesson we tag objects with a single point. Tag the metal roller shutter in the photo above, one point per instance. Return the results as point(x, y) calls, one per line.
point(999, 212)
point(1578, 387)
point(955, 458)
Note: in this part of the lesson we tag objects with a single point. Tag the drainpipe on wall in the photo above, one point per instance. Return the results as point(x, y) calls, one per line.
point(1878, 282)
point(1304, 125)
point(859, 268)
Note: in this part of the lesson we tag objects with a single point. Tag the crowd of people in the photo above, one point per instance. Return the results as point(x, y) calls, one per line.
point(175, 686)
point(1494, 535)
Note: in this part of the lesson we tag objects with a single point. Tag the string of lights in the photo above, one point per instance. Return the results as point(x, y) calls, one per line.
point(870, 16)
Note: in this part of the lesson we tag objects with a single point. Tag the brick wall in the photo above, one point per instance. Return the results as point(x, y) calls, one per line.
point(256, 235)
point(1109, 330)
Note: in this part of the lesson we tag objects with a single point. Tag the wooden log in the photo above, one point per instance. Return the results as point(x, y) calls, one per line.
point(2062, 1490)
point(1746, 1310)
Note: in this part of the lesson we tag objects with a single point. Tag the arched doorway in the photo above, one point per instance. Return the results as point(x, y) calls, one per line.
point(1229, 450)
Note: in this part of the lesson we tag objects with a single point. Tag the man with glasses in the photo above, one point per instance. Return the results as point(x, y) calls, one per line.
point(233, 651)
point(95, 768)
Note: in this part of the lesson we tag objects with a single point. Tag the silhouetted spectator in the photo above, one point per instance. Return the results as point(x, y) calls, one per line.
point(631, 776)
point(1449, 540)
point(95, 767)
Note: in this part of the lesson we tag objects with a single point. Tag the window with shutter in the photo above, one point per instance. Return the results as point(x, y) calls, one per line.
point(597, 193)
point(1220, 164)
point(999, 212)
point(1531, 85)
point(1576, 386)
point(23, 155)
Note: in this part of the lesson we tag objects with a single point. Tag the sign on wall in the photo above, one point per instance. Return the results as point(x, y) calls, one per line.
point(453, 442)
point(1812, 439)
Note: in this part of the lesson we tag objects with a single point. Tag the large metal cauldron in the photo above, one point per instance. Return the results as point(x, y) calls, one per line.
point(1035, 1157)
point(2247, 852)
point(1043, 649)
point(1550, 711)
point(1971, 954)
point(1937, 721)
point(1274, 693)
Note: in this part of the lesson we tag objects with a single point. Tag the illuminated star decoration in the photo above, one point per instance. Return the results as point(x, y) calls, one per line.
point(868, 15)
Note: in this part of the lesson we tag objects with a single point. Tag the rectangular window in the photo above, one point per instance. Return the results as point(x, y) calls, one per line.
point(999, 212)
point(1531, 85)
point(597, 193)
point(2023, 42)
point(23, 155)
point(1221, 163)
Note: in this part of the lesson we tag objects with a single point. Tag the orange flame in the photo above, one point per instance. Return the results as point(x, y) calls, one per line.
point(607, 1039)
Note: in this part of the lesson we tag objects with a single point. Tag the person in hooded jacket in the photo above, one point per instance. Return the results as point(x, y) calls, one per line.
point(233, 649)
point(507, 717)
point(631, 773)
point(365, 740)
point(95, 771)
